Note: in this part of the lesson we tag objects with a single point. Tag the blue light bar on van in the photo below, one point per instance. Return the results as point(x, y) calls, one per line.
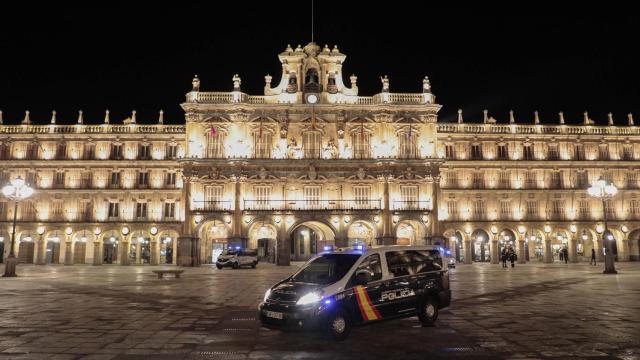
point(358, 247)
point(237, 247)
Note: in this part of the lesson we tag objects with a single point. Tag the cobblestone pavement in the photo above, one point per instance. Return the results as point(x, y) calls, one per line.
point(113, 312)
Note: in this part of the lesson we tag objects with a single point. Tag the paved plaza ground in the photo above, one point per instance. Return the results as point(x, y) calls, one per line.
point(114, 312)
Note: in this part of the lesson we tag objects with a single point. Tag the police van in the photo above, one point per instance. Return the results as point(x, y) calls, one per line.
point(340, 289)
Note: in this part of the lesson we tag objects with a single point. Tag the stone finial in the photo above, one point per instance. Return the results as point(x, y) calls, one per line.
point(460, 120)
point(325, 49)
point(133, 116)
point(512, 118)
point(267, 80)
point(106, 116)
point(385, 83)
point(161, 117)
point(53, 117)
point(236, 82)
point(586, 118)
point(426, 85)
point(485, 116)
point(27, 119)
point(629, 118)
point(610, 119)
point(298, 48)
point(1, 120)
point(561, 117)
point(195, 83)
point(354, 80)
point(335, 49)
point(288, 49)
point(80, 117)
point(536, 117)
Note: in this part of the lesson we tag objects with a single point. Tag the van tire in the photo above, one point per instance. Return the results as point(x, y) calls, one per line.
point(236, 265)
point(253, 266)
point(428, 313)
point(338, 325)
point(219, 267)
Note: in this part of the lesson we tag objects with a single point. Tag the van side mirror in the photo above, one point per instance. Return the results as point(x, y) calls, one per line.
point(363, 276)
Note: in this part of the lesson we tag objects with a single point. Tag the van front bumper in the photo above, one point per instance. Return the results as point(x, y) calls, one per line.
point(290, 317)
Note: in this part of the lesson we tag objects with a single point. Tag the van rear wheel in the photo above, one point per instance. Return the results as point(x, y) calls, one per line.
point(338, 325)
point(236, 265)
point(428, 312)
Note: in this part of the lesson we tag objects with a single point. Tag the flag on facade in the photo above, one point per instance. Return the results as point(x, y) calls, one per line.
point(213, 131)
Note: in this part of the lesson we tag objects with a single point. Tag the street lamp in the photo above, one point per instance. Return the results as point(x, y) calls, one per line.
point(17, 190)
point(603, 191)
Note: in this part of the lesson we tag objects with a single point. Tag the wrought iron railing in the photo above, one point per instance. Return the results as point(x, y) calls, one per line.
point(318, 205)
point(211, 205)
point(401, 205)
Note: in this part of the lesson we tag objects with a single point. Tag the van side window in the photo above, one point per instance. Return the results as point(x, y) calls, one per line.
point(372, 263)
point(413, 262)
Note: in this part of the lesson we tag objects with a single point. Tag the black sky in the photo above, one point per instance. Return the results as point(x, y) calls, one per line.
point(125, 57)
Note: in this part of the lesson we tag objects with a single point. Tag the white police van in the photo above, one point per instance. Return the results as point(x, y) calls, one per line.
point(237, 257)
point(337, 290)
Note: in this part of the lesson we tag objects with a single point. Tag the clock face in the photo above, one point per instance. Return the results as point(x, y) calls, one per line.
point(312, 98)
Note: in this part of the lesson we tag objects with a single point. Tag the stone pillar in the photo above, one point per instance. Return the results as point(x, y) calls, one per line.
point(532, 250)
point(435, 224)
point(283, 245)
point(493, 249)
point(124, 252)
point(186, 195)
point(138, 252)
point(623, 250)
point(237, 238)
point(388, 237)
point(548, 256)
point(188, 251)
point(97, 258)
point(68, 251)
point(41, 252)
point(155, 251)
point(572, 249)
point(467, 251)
point(521, 256)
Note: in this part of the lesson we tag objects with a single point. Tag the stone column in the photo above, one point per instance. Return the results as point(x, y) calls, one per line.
point(521, 256)
point(572, 249)
point(68, 251)
point(138, 252)
point(387, 238)
point(237, 237)
point(548, 256)
point(435, 224)
point(124, 252)
point(493, 249)
point(467, 251)
point(283, 245)
point(155, 252)
point(41, 251)
point(623, 250)
point(97, 256)
point(532, 250)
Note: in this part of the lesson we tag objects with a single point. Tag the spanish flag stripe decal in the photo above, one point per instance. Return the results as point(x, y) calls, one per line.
point(367, 310)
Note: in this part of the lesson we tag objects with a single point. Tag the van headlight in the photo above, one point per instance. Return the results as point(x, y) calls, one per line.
point(310, 298)
point(266, 295)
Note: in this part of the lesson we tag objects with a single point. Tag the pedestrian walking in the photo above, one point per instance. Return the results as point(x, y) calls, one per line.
point(512, 257)
point(561, 255)
point(565, 254)
point(593, 257)
point(504, 256)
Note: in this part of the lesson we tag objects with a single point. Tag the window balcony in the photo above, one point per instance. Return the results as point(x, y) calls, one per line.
point(401, 205)
point(313, 205)
point(211, 205)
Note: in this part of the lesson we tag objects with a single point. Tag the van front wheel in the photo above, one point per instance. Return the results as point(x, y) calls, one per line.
point(428, 312)
point(338, 325)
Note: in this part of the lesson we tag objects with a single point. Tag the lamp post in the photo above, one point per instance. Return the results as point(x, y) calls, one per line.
point(17, 190)
point(603, 191)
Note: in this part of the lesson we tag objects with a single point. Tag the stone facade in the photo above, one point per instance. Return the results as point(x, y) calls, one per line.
point(312, 164)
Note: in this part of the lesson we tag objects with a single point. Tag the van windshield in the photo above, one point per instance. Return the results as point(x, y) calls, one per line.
point(325, 269)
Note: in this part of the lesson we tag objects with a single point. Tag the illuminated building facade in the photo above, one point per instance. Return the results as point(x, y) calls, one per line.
point(312, 164)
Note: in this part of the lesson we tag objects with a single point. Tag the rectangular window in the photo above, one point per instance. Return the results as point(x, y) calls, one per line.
point(408, 148)
point(413, 262)
point(361, 196)
point(171, 151)
point(627, 153)
point(557, 209)
point(215, 145)
point(452, 208)
point(312, 144)
point(59, 179)
point(143, 179)
point(144, 152)
point(553, 154)
point(610, 209)
point(312, 196)
point(604, 152)
point(450, 152)
point(555, 180)
point(528, 152)
point(478, 180)
point(409, 197)
point(61, 151)
point(89, 151)
point(531, 180)
point(87, 180)
point(634, 208)
point(57, 210)
point(532, 209)
point(169, 210)
point(582, 179)
point(3, 211)
point(116, 152)
point(115, 179)
point(479, 209)
point(503, 153)
point(476, 152)
point(213, 196)
point(632, 180)
point(170, 179)
point(141, 210)
point(362, 145)
point(505, 210)
point(504, 180)
point(584, 210)
point(262, 196)
point(262, 144)
point(579, 152)
point(114, 209)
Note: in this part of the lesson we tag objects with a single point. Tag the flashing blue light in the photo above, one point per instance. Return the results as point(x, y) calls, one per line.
point(358, 247)
point(237, 247)
point(441, 249)
point(328, 248)
point(448, 252)
point(327, 302)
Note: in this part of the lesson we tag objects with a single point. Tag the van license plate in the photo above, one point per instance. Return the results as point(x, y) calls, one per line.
point(273, 314)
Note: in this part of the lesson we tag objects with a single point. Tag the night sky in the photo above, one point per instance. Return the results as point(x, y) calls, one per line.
point(123, 58)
